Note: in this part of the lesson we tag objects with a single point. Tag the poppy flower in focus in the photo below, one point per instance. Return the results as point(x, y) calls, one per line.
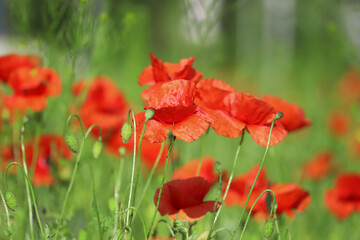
point(294, 116)
point(338, 123)
point(350, 86)
point(184, 199)
point(344, 198)
point(31, 87)
point(290, 197)
point(159, 72)
point(318, 167)
point(173, 103)
point(241, 185)
point(11, 62)
point(149, 151)
point(104, 105)
point(189, 170)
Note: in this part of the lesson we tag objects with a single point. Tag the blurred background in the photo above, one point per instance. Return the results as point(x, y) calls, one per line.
point(298, 50)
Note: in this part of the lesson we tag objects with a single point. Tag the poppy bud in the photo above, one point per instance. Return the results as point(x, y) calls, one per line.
point(11, 201)
point(122, 151)
point(126, 132)
point(149, 113)
point(97, 148)
point(279, 115)
point(72, 142)
point(217, 166)
point(268, 229)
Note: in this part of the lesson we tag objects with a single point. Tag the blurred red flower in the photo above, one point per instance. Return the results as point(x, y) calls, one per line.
point(318, 167)
point(241, 185)
point(11, 62)
point(159, 72)
point(183, 199)
point(350, 86)
point(189, 170)
point(294, 116)
point(173, 103)
point(149, 151)
point(31, 87)
point(289, 197)
point(104, 105)
point(78, 87)
point(338, 123)
point(344, 198)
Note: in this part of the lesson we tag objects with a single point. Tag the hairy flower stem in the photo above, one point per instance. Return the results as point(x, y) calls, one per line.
point(138, 170)
point(202, 152)
point(7, 214)
point(133, 170)
point(151, 175)
point(257, 199)
point(31, 190)
point(162, 185)
point(116, 195)
point(228, 185)
point(257, 175)
point(22, 133)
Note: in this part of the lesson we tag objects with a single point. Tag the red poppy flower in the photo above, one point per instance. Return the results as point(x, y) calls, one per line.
point(173, 103)
point(189, 170)
point(31, 87)
point(241, 185)
point(159, 72)
point(149, 151)
point(8, 156)
point(318, 167)
point(338, 123)
point(294, 116)
point(344, 198)
point(10, 63)
point(104, 105)
point(184, 199)
point(289, 197)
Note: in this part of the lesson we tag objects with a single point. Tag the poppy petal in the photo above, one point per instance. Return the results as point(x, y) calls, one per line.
point(260, 133)
point(156, 131)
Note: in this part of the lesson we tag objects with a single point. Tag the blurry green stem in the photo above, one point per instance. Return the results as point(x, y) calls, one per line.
point(22, 133)
point(7, 214)
point(32, 193)
point(257, 175)
point(151, 175)
point(133, 169)
point(202, 151)
point(162, 185)
point(116, 194)
point(228, 185)
point(252, 207)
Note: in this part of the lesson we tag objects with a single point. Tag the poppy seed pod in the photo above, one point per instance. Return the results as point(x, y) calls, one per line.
point(149, 113)
point(279, 115)
point(97, 148)
point(72, 142)
point(126, 132)
point(11, 201)
point(268, 229)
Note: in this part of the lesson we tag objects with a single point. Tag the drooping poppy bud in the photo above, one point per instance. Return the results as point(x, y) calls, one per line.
point(126, 132)
point(72, 142)
point(97, 148)
point(268, 229)
point(279, 115)
point(149, 113)
point(11, 201)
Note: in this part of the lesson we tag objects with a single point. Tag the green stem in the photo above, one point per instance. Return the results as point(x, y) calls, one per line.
point(22, 132)
point(92, 175)
point(31, 190)
point(116, 194)
point(202, 152)
point(257, 175)
point(132, 171)
point(277, 227)
point(151, 175)
point(142, 221)
point(257, 199)
point(228, 185)
point(7, 214)
point(162, 185)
